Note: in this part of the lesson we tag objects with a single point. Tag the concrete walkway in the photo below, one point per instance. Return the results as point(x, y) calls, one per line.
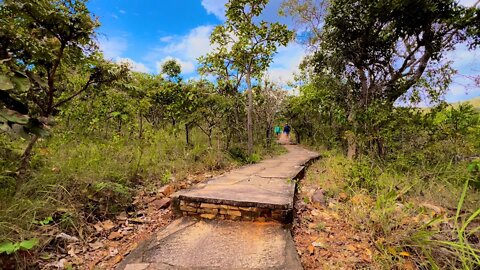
point(208, 235)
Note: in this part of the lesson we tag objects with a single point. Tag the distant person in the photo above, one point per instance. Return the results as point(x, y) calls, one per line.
point(286, 129)
point(277, 130)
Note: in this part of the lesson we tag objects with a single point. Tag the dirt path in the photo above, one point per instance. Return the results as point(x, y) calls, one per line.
point(210, 234)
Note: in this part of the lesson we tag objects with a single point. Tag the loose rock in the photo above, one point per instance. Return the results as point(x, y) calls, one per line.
point(318, 197)
point(115, 236)
point(161, 204)
point(166, 190)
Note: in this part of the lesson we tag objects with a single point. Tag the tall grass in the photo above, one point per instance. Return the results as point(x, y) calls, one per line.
point(79, 176)
point(398, 209)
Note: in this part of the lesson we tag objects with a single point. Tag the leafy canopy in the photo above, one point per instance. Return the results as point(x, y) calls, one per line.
point(244, 43)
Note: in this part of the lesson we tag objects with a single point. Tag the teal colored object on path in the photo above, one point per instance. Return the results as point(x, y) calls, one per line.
point(277, 130)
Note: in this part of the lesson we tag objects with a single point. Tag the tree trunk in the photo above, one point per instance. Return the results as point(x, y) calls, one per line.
point(352, 147)
point(140, 126)
point(249, 114)
point(297, 136)
point(351, 141)
point(229, 138)
point(187, 134)
point(269, 135)
point(210, 138)
point(25, 160)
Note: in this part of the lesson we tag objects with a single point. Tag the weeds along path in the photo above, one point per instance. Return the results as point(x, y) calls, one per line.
point(238, 220)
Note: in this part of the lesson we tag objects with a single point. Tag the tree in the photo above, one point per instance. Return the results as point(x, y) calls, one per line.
point(245, 48)
point(210, 109)
point(269, 99)
point(172, 69)
point(48, 44)
point(381, 50)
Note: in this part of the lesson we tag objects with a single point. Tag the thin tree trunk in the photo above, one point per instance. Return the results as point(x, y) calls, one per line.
point(210, 138)
point(25, 160)
point(297, 136)
point(140, 124)
point(229, 138)
point(269, 136)
point(237, 120)
point(351, 140)
point(351, 146)
point(249, 114)
point(187, 134)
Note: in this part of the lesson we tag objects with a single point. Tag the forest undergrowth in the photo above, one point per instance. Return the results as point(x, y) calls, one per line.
point(77, 181)
point(372, 215)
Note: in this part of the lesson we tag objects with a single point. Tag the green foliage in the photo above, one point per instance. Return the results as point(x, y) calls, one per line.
point(474, 170)
point(172, 69)
point(9, 247)
point(43, 222)
point(166, 177)
point(238, 154)
point(369, 56)
point(363, 176)
point(244, 45)
point(114, 131)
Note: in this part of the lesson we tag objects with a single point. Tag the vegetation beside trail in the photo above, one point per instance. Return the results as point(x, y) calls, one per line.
point(403, 219)
point(84, 141)
point(404, 178)
point(81, 135)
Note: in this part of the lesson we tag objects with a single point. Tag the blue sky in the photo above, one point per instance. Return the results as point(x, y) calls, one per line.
point(147, 33)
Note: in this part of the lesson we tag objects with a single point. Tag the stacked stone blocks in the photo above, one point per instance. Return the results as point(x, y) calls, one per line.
point(231, 212)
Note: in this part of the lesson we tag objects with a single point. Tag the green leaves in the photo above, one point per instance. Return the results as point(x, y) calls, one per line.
point(43, 222)
point(5, 83)
point(9, 247)
point(172, 69)
point(23, 125)
point(17, 82)
point(7, 115)
point(474, 166)
point(243, 44)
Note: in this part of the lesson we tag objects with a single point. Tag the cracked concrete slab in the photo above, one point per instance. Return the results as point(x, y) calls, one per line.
point(196, 244)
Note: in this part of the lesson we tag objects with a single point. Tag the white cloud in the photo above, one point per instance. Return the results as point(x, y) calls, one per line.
point(185, 49)
point(465, 60)
point(191, 46)
point(215, 7)
point(113, 47)
point(285, 63)
point(467, 3)
point(122, 11)
point(135, 66)
point(166, 38)
point(187, 66)
point(269, 14)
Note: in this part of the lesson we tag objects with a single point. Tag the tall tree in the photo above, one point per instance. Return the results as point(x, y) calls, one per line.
point(49, 44)
point(245, 48)
point(382, 49)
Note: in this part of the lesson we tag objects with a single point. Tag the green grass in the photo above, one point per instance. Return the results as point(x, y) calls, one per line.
point(78, 178)
point(389, 206)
